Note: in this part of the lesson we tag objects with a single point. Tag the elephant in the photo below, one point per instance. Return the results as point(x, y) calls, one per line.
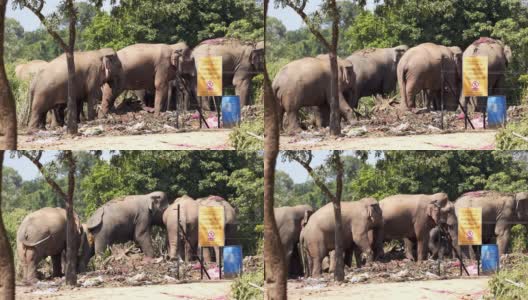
point(42, 233)
point(124, 219)
point(240, 63)
point(439, 245)
point(230, 226)
point(421, 68)
point(189, 222)
point(375, 71)
point(317, 238)
point(290, 220)
point(307, 82)
point(499, 57)
point(147, 67)
point(50, 88)
point(411, 218)
point(500, 211)
point(30, 69)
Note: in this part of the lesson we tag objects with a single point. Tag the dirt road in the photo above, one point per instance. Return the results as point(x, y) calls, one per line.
point(218, 290)
point(466, 289)
point(476, 140)
point(215, 139)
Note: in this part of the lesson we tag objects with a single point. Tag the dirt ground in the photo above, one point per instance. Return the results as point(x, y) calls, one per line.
point(214, 290)
point(214, 139)
point(470, 140)
point(464, 288)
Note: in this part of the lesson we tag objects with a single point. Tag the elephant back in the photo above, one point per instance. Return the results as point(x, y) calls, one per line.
point(229, 211)
point(96, 219)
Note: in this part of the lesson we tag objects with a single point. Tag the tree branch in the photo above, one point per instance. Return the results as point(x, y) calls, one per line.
point(300, 11)
point(316, 178)
point(42, 18)
point(36, 161)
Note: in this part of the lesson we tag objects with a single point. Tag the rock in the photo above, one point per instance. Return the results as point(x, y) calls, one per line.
point(92, 282)
point(357, 131)
point(94, 130)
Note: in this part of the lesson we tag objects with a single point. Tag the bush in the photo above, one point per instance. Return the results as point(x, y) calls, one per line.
point(507, 141)
point(240, 137)
point(519, 238)
point(500, 284)
point(12, 221)
point(20, 93)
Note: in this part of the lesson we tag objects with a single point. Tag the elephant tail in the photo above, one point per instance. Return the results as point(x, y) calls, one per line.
point(26, 243)
point(304, 257)
point(402, 81)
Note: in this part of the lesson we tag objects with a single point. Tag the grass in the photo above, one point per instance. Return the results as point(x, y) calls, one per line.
point(248, 135)
point(511, 283)
point(506, 140)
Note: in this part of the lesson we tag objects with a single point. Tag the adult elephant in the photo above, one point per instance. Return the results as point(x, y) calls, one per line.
point(290, 220)
point(49, 90)
point(124, 219)
point(30, 69)
point(375, 71)
point(411, 218)
point(41, 234)
point(500, 211)
point(230, 223)
point(189, 222)
point(240, 63)
point(358, 218)
point(499, 57)
point(421, 68)
point(307, 82)
point(147, 67)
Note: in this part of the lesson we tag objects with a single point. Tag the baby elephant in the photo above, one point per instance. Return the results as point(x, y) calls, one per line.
point(439, 245)
point(358, 218)
point(43, 233)
point(124, 219)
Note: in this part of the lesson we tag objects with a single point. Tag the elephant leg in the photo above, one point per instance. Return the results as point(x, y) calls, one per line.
point(423, 242)
point(32, 260)
point(56, 261)
point(363, 243)
point(331, 262)
point(409, 249)
point(109, 96)
point(173, 249)
point(317, 266)
point(92, 105)
point(243, 90)
point(345, 109)
point(322, 116)
point(217, 255)
point(503, 232)
point(142, 237)
point(161, 97)
point(292, 124)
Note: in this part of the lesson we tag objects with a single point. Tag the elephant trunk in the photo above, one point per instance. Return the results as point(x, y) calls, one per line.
point(304, 257)
point(402, 81)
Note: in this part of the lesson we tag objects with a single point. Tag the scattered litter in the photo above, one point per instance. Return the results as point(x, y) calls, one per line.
point(48, 291)
point(431, 275)
point(92, 282)
point(517, 284)
point(357, 131)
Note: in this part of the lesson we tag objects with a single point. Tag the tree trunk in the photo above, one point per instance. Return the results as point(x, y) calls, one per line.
point(72, 240)
point(335, 115)
point(339, 271)
point(72, 101)
point(274, 260)
point(7, 265)
point(7, 102)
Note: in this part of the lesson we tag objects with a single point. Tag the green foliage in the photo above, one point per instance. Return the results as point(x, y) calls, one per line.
point(519, 238)
point(20, 91)
point(241, 140)
point(500, 284)
point(12, 220)
point(506, 140)
point(413, 172)
point(242, 290)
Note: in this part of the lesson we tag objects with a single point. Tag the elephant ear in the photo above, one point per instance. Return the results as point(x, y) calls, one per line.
point(508, 54)
point(307, 215)
point(432, 208)
point(96, 219)
point(257, 58)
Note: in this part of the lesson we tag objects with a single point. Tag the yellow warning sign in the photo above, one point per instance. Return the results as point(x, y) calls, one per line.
point(469, 226)
point(211, 226)
point(475, 76)
point(209, 71)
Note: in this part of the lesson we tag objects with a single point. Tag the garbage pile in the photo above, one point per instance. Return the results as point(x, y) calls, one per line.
point(126, 266)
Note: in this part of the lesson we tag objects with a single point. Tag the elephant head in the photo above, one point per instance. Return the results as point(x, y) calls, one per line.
point(86, 249)
point(434, 211)
point(398, 52)
point(521, 205)
point(181, 57)
point(507, 54)
point(256, 57)
point(157, 204)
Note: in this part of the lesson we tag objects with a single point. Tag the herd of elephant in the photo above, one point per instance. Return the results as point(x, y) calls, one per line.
point(130, 218)
point(308, 236)
point(102, 75)
point(427, 67)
